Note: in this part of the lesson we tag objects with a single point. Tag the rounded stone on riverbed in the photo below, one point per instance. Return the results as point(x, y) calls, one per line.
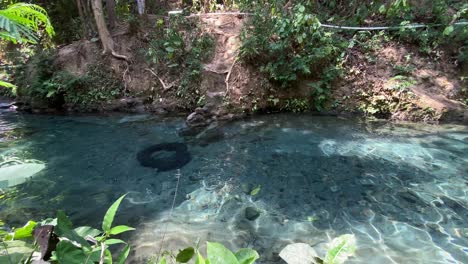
point(251, 213)
point(178, 159)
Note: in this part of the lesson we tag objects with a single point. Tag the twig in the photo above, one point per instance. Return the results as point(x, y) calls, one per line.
point(165, 87)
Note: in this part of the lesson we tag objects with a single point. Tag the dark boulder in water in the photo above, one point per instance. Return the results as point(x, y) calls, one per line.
point(152, 156)
point(252, 213)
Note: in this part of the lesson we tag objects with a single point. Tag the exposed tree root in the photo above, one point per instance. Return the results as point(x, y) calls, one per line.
point(119, 56)
point(124, 77)
point(165, 86)
point(229, 74)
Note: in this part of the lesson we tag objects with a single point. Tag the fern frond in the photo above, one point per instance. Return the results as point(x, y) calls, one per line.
point(21, 22)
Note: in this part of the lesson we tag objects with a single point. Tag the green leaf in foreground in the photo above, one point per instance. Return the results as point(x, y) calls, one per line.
point(113, 241)
point(85, 231)
point(64, 229)
point(185, 255)
point(23, 232)
point(123, 255)
point(199, 259)
point(7, 85)
point(18, 251)
point(448, 30)
point(163, 260)
point(218, 254)
point(340, 249)
point(247, 256)
point(120, 229)
point(66, 252)
point(110, 214)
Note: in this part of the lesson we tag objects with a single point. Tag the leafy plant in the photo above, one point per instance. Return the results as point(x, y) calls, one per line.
point(296, 105)
point(23, 22)
point(79, 245)
point(40, 80)
point(291, 45)
point(340, 249)
point(177, 51)
point(216, 254)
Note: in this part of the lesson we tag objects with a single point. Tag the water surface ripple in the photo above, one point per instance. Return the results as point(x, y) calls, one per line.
point(400, 188)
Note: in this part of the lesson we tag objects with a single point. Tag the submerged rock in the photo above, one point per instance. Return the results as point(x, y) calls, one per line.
point(251, 213)
point(136, 118)
point(151, 156)
point(199, 118)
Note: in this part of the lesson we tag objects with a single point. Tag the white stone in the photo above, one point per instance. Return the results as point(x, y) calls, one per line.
point(298, 253)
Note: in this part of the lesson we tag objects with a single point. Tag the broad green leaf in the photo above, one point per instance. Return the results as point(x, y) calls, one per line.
point(448, 30)
point(85, 231)
point(382, 9)
point(63, 223)
point(199, 259)
point(340, 249)
point(7, 84)
point(120, 229)
point(218, 254)
point(114, 241)
point(110, 214)
point(94, 256)
point(18, 251)
point(185, 255)
point(163, 260)
point(67, 253)
point(64, 229)
point(123, 255)
point(23, 232)
point(21, 22)
point(247, 256)
point(107, 256)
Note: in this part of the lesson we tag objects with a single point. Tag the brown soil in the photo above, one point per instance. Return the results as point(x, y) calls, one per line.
point(433, 94)
point(232, 87)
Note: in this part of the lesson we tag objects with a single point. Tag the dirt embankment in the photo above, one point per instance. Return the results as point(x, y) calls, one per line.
point(394, 81)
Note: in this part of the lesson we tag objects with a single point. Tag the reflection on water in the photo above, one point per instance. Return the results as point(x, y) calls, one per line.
point(400, 188)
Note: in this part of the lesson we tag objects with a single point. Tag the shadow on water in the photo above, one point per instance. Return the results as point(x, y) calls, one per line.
point(90, 163)
point(317, 178)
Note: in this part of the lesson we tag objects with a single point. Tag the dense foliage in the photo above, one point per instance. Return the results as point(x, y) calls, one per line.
point(286, 40)
point(178, 48)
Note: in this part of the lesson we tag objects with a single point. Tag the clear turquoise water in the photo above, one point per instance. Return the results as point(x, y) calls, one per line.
point(400, 188)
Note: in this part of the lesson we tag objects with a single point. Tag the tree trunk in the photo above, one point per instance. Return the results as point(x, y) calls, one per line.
point(110, 6)
point(104, 34)
point(106, 38)
point(141, 7)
